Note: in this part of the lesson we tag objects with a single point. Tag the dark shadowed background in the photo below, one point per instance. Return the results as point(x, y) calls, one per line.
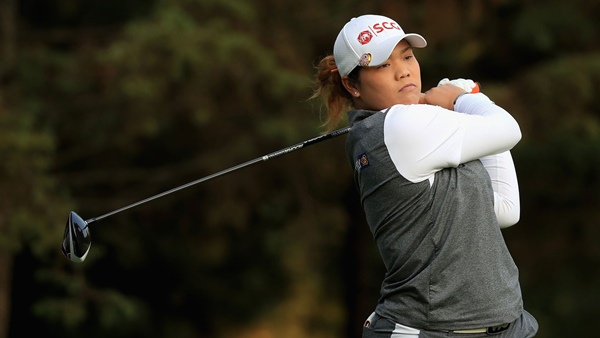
point(104, 103)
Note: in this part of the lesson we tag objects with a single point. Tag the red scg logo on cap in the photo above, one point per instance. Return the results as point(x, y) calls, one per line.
point(365, 37)
point(380, 27)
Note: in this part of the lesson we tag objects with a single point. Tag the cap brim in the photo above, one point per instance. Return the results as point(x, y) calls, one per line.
point(383, 51)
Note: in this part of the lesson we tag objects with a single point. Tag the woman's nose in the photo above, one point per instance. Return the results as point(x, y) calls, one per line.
point(402, 72)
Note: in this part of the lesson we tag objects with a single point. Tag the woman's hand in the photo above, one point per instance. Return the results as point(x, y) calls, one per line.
point(442, 96)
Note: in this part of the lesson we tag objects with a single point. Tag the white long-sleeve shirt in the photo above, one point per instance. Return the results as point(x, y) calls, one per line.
point(485, 131)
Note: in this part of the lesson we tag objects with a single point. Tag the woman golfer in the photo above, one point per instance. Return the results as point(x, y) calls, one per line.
point(437, 183)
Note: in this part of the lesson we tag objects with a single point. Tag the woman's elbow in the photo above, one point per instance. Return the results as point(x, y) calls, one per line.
point(513, 133)
point(509, 219)
point(508, 213)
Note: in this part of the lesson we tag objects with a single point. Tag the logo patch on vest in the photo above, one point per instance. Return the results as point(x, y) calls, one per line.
point(361, 162)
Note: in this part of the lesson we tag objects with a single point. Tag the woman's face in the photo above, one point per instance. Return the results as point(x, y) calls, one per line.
point(396, 81)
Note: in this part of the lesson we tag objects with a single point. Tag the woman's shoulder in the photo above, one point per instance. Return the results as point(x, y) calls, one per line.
point(412, 113)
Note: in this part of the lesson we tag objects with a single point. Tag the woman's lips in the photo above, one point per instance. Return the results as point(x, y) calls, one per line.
point(408, 87)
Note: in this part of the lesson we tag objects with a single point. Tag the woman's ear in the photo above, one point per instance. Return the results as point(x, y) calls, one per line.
point(350, 86)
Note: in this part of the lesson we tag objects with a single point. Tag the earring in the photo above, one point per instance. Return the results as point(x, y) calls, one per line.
point(355, 93)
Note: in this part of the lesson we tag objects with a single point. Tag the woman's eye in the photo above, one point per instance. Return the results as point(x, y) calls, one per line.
point(383, 65)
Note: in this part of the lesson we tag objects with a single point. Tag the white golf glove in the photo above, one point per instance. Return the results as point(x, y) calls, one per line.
point(465, 84)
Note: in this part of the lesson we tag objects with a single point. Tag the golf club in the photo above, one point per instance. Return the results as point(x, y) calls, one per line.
point(76, 240)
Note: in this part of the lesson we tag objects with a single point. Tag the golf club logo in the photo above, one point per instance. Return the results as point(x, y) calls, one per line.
point(365, 37)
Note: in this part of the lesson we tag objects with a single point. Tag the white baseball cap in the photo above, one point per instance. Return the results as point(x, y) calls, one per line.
point(368, 40)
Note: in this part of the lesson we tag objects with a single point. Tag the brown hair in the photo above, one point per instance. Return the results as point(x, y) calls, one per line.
point(329, 86)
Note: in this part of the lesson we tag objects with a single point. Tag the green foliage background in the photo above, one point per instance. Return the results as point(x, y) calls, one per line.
point(105, 103)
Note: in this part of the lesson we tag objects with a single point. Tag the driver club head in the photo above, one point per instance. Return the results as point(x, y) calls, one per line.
point(76, 241)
